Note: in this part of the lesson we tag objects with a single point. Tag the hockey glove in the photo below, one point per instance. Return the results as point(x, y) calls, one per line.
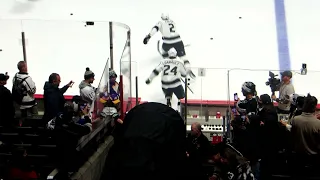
point(146, 39)
point(148, 81)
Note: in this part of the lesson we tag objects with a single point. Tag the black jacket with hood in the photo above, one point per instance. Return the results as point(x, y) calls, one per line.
point(53, 100)
point(6, 107)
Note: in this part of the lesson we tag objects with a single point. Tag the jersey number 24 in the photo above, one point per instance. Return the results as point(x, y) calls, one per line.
point(167, 70)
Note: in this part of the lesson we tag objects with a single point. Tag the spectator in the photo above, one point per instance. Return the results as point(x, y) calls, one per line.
point(7, 110)
point(87, 91)
point(270, 135)
point(286, 89)
point(23, 91)
point(114, 87)
point(197, 151)
point(53, 96)
point(306, 129)
point(230, 164)
point(67, 132)
point(295, 110)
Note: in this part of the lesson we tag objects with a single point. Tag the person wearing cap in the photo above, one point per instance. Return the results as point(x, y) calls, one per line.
point(87, 91)
point(285, 90)
point(7, 110)
point(270, 134)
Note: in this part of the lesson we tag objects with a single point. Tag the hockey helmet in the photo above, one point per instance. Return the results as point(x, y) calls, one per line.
point(248, 88)
point(164, 16)
point(172, 52)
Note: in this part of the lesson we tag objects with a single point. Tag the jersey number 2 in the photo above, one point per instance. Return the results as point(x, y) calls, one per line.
point(172, 28)
point(167, 68)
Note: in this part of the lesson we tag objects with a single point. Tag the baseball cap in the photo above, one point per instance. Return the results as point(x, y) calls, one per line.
point(3, 77)
point(286, 73)
point(265, 99)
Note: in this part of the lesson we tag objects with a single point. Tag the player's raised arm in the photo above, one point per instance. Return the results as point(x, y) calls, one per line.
point(153, 31)
point(183, 70)
point(155, 72)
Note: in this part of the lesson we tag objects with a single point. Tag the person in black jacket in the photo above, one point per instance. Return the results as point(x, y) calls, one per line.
point(53, 97)
point(197, 151)
point(269, 134)
point(7, 110)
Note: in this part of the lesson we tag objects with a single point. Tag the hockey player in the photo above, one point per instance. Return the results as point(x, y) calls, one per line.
point(173, 70)
point(171, 39)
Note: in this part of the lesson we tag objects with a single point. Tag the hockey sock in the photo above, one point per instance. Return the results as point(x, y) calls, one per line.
point(169, 102)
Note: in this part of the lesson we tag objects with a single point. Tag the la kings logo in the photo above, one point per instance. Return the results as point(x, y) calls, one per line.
point(230, 175)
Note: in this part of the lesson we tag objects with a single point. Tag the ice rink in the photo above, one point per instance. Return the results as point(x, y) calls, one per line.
point(236, 37)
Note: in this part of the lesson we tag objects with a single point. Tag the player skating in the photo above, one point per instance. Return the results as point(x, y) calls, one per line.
point(171, 39)
point(173, 70)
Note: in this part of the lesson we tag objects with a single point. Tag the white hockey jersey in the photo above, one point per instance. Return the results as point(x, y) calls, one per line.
point(172, 70)
point(168, 30)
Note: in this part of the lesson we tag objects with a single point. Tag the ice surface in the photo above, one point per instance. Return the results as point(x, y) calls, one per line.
point(246, 43)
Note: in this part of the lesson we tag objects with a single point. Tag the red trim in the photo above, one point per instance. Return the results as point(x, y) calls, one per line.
point(40, 96)
point(190, 101)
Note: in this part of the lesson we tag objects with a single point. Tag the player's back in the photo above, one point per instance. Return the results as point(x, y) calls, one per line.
point(173, 70)
point(168, 29)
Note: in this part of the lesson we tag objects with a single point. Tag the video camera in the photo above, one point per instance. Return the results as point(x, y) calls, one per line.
point(273, 82)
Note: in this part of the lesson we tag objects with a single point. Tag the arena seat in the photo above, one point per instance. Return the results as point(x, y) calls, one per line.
point(9, 138)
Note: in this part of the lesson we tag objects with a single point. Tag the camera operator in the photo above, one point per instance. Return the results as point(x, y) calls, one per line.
point(285, 90)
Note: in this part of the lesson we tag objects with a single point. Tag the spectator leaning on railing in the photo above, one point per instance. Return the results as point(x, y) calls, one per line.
point(23, 91)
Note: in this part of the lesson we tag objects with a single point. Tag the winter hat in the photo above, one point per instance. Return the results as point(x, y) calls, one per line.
point(4, 77)
point(112, 74)
point(88, 74)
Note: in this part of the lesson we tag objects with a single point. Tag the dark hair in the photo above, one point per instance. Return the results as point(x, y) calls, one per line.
point(53, 77)
point(268, 107)
point(310, 104)
point(20, 65)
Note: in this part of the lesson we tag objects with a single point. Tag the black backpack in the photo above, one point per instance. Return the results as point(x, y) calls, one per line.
point(18, 89)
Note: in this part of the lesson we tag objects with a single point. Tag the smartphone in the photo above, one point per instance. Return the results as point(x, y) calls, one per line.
point(280, 118)
point(234, 110)
point(235, 97)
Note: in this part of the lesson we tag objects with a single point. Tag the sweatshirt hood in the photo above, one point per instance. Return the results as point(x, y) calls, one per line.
point(49, 86)
point(84, 84)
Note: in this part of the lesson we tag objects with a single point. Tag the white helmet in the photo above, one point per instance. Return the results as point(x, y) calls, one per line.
point(172, 52)
point(164, 16)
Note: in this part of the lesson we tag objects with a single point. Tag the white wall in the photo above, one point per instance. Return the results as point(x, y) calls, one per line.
point(249, 42)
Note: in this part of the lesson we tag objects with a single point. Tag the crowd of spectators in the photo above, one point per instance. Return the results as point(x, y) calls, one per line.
point(65, 121)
